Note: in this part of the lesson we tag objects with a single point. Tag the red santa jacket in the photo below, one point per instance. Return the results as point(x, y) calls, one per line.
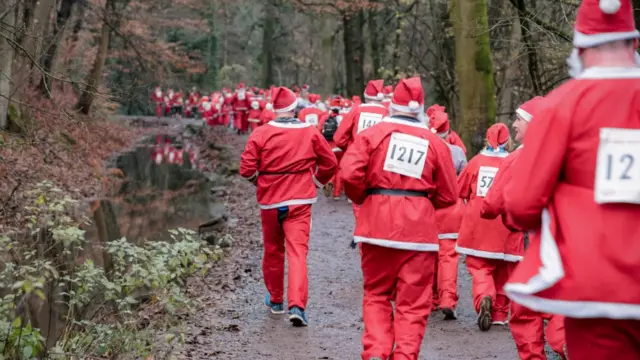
point(480, 237)
point(267, 115)
point(449, 219)
point(493, 203)
point(576, 184)
point(311, 115)
point(284, 155)
point(399, 155)
point(241, 102)
point(454, 139)
point(359, 118)
point(157, 96)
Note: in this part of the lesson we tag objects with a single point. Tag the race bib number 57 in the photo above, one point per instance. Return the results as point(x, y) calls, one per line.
point(618, 167)
point(311, 119)
point(367, 120)
point(406, 155)
point(485, 180)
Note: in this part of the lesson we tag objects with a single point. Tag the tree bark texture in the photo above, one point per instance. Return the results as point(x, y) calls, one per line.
point(354, 52)
point(6, 59)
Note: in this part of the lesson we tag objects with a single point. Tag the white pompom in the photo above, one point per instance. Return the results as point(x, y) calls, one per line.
point(434, 130)
point(269, 106)
point(610, 6)
point(380, 96)
point(413, 105)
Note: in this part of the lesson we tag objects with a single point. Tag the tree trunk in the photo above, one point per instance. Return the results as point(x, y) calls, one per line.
point(268, 48)
point(94, 80)
point(354, 52)
point(34, 43)
point(374, 40)
point(529, 47)
point(6, 63)
point(328, 37)
point(474, 71)
point(48, 58)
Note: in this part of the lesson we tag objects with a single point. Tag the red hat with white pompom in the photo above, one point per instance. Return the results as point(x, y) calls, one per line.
point(497, 135)
point(374, 90)
point(408, 96)
point(283, 99)
point(601, 21)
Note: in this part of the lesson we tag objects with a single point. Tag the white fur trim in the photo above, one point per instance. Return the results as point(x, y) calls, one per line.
point(448, 236)
point(269, 106)
point(409, 123)
point(371, 104)
point(336, 149)
point(488, 254)
point(289, 202)
point(317, 182)
point(378, 97)
point(288, 108)
point(610, 6)
point(289, 125)
point(581, 40)
point(524, 115)
point(485, 152)
point(252, 177)
point(407, 109)
point(549, 274)
point(414, 105)
point(395, 244)
point(253, 120)
point(601, 73)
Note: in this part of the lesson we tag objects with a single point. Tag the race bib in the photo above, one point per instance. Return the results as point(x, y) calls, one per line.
point(367, 120)
point(255, 105)
point(618, 167)
point(311, 119)
point(485, 179)
point(406, 155)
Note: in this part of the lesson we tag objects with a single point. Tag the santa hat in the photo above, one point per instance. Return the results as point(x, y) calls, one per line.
point(261, 92)
point(240, 86)
point(335, 103)
point(431, 110)
point(602, 21)
point(388, 91)
point(374, 90)
point(439, 121)
point(526, 110)
point(313, 98)
point(305, 87)
point(498, 134)
point(283, 99)
point(356, 100)
point(408, 96)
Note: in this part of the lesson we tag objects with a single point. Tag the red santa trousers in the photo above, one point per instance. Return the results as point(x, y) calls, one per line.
point(159, 111)
point(293, 237)
point(406, 277)
point(336, 180)
point(241, 121)
point(488, 279)
point(594, 339)
point(528, 331)
point(447, 274)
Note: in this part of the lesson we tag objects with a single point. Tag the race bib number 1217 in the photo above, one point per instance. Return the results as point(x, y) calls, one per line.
point(618, 167)
point(406, 155)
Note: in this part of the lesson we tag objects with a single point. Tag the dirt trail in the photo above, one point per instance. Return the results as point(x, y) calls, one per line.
point(234, 324)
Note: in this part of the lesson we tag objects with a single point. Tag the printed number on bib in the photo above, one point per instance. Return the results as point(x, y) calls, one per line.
point(311, 119)
point(406, 155)
point(618, 167)
point(367, 120)
point(485, 180)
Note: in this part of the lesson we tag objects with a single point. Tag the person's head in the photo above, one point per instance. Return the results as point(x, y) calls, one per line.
point(439, 121)
point(387, 91)
point(284, 102)
point(524, 115)
point(605, 36)
point(408, 99)
point(498, 137)
point(373, 93)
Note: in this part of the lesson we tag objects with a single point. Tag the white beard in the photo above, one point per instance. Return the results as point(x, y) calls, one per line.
point(241, 95)
point(576, 67)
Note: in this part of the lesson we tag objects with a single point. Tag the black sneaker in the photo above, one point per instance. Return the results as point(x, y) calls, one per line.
point(449, 313)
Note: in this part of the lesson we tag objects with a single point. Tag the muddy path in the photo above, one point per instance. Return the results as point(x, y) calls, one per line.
point(234, 324)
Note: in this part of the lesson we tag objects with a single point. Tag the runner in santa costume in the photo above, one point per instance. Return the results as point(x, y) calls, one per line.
point(192, 102)
point(361, 117)
point(445, 296)
point(241, 109)
point(158, 98)
point(257, 105)
point(399, 172)
point(576, 184)
point(286, 159)
point(492, 250)
point(527, 326)
point(439, 123)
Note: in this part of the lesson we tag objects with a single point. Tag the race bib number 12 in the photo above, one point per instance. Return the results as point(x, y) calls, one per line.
point(367, 120)
point(618, 167)
point(406, 155)
point(485, 179)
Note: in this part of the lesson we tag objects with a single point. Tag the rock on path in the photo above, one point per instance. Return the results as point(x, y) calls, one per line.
point(234, 324)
